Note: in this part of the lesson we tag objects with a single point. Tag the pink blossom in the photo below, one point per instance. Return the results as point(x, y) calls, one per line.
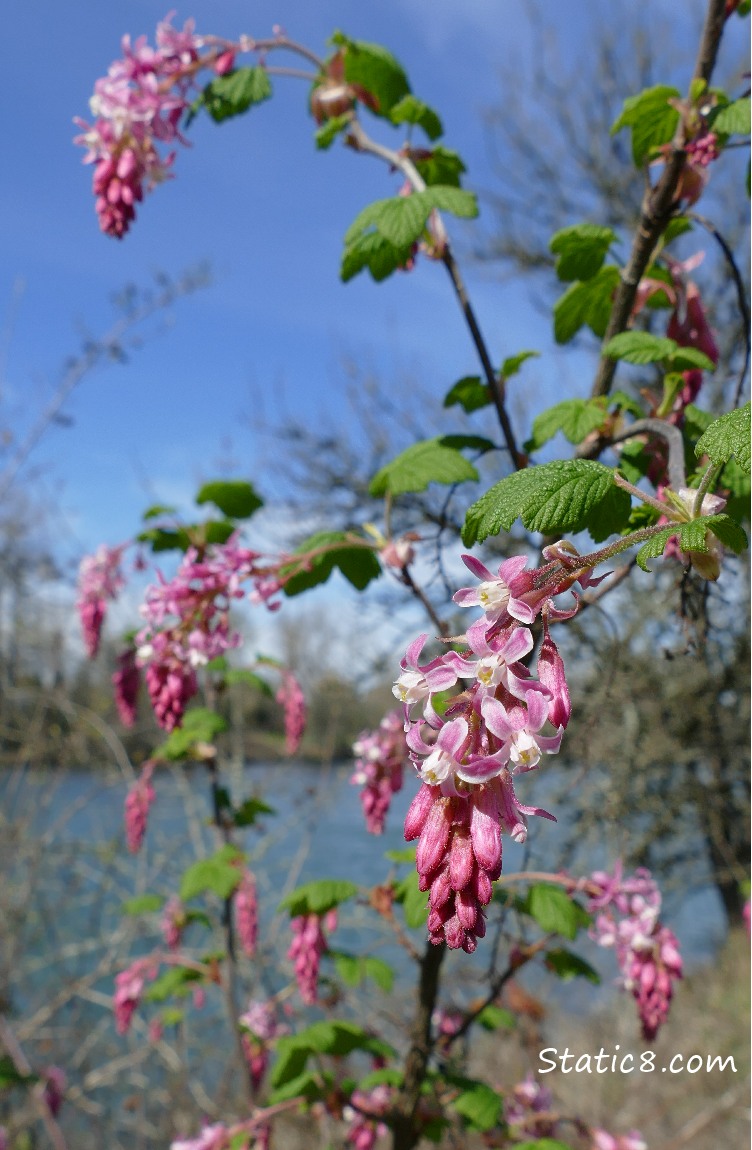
point(290, 696)
point(380, 757)
point(246, 913)
point(416, 684)
point(602, 1140)
point(100, 579)
point(527, 1110)
point(260, 1029)
point(129, 988)
point(215, 1137)
point(173, 923)
point(308, 944)
point(137, 803)
point(364, 1116)
point(125, 683)
point(54, 1084)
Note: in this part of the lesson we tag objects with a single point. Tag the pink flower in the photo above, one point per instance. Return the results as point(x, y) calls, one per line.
point(100, 579)
point(173, 923)
point(380, 757)
point(291, 697)
point(246, 913)
point(416, 684)
point(215, 1137)
point(365, 1127)
point(261, 1028)
point(137, 803)
point(129, 988)
point(125, 682)
point(527, 1108)
point(496, 593)
point(54, 1084)
point(308, 944)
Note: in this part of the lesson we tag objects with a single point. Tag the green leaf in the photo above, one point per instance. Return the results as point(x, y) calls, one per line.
point(581, 250)
point(469, 393)
point(174, 983)
point(414, 901)
point(624, 402)
point(586, 304)
point(247, 813)
point(450, 199)
point(513, 363)
point(158, 509)
point(250, 678)
point(733, 119)
point(385, 1076)
point(567, 966)
point(652, 119)
point(401, 219)
point(318, 897)
point(406, 855)
point(143, 904)
point(172, 1016)
point(290, 1061)
point(441, 166)
point(496, 1018)
point(354, 969)
point(411, 110)
point(727, 436)
point(640, 347)
point(334, 1038)
point(11, 1076)
point(233, 497)
point(160, 540)
point(576, 418)
point(688, 358)
point(554, 910)
point(219, 874)
point(478, 1104)
point(430, 461)
point(543, 1144)
point(310, 1085)
point(375, 253)
point(566, 495)
point(216, 530)
point(678, 226)
point(374, 68)
point(234, 93)
point(328, 132)
point(692, 537)
point(200, 725)
point(359, 565)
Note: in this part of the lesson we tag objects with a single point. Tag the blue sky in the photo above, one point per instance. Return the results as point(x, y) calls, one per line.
point(256, 200)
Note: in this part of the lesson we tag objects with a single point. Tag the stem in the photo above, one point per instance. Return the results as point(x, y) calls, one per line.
point(658, 205)
point(644, 496)
point(21, 1063)
point(440, 624)
point(672, 436)
point(708, 480)
point(406, 1136)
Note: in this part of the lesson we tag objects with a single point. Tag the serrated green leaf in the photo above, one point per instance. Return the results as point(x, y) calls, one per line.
point(652, 119)
point(727, 436)
point(586, 304)
point(411, 110)
point(159, 539)
point(495, 1018)
point(469, 393)
point(234, 93)
point(451, 199)
point(403, 218)
point(290, 1061)
point(374, 68)
point(430, 461)
point(247, 813)
point(692, 537)
point(359, 565)
point(733, 119)
point(158, 509)
point(478, 1104)
point(729, 532)
point(414, 901)
point(233, 497)
point(375, 253)
point(200, 725)
point(640, 347)
point(581, 250)
point(220, 874)
point(513, 363)
point(554, 910)
point(328, 132)
point(441, 166)
point(552, 497)
point(173, 983)
point(576, 418)
point(318, 897)
point(634, 459)
point(143, 904)
point(567, 965)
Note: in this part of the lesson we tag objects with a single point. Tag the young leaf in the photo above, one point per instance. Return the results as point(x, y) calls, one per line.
point(219, 873)
point(733, 119)
point(354, 969)
point(310, 1085)
point(430, 461)
point(359, 565)
point(328, 132)
point(576, 418)
point(318, 897)
point(414, 901)
point(174, 983)
point(441, 166)
point(565, 495)
point(566, 966)
point(652, 120)
point(554, 910)
point(374, 68)
point(157, 510)
point(692, 536)
point(469, 393)
point(581, 250)
point(496, 1017)
point(513, 363)
point(234, 93)
point(10, 1075)
point(200, 725)
point(727, 436)
point(143, 904)
point(478, 1104)
point(640, 347)
point(688, 358)
point(233, 497)
point(586, 304)
point(411, 110)
point(374, 252)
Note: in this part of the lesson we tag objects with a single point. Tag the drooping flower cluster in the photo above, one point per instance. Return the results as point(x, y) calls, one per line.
point(246, 913)
point(173, 922)
point(216, 1137)
point(100, 579)
point(137, 803)
point(188, 624)
point(125, 682)
point(260, 1028)
point(528, 1110)
point(308, 944)
point(55, 1080)
point(489, 734)
point(627, 913)
point(129, 989)
point(364, 1116)
point(380, 757)
point(602, 1140)
point(290, 696)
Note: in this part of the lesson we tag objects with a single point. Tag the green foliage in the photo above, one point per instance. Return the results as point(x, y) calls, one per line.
point(250, 678)
point(411, 110)
point(727, 436)
point(733, 119)
point(554, 910)
point(652, 119)
point(692, 537)
point(513, 363)
point(374, 68)
point(586, 304)
point(543, 1144)
point(479, 1105)
point(233, 93)
point(334, 1038)
point(10, 1076)
point(566, 966)
point(310, 1085)
point(581, 250)
point(318, 897)
point(496, 1018)
point(441, 166)
point(328, 132)
point(565, 495)
point(354, 969)
point(233, 497)
point(641, 347)
point(175, 982)
point(359, 565)
point(160, 539)
point(576, 418)
point(143, 904)
point(437, 460)
point(470, 393)
point(247, 813)
point(375, 253)
point(157, 510)
point(200, 725)
point(414, 901)
point(220, 874)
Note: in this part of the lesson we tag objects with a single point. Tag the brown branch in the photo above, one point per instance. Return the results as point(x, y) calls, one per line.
point(658, 205)
point(402, 1118)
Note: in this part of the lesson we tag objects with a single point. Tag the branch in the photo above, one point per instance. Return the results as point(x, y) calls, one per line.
point(416, 1061)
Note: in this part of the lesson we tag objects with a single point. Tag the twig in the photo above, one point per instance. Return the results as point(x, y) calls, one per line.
point(19, 1060)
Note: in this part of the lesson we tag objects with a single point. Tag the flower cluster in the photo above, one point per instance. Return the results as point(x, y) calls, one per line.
point(290, 696)
point(125, 683)
point(528, 1110)
point(489, 734)
point(308, 944)
point(379, 761)
point(100, 579)
point(364, 1116)
point(173, 922)
point(246, 913)
point(602, 1140)
point(627, 910)
point(137, 803)
point(216, 1137)
point(260, 1028)
point(129, 988)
